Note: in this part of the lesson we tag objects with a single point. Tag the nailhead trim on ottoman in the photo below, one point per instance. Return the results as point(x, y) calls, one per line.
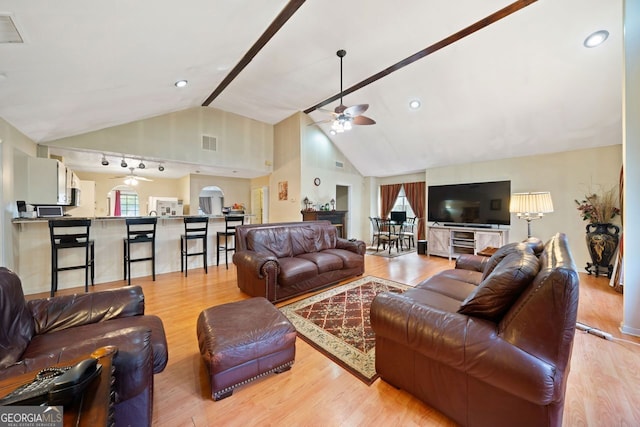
point(242, 341)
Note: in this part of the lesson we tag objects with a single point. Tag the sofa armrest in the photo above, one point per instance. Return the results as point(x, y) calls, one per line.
point(356, 246)
point(463, 343)
point(57, 313)
point(472, 262)
point(252, 261)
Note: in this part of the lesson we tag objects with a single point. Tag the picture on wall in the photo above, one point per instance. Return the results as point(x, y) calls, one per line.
point(283, 190)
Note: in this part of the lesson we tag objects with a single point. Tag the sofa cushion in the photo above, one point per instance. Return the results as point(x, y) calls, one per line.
point(324, 261)
point(495, 294)
point(349, 259)
point(312, 239)
point(449, 286)
point(468, 276)
point(274, 241)
point(295, 270)
point(531, 245)
point(16, 323)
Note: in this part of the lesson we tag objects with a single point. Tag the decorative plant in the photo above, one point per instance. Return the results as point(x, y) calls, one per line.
point(599, 208)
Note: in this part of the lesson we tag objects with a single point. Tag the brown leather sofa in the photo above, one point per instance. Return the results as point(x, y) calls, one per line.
point(488, 343)
point(42, 332)
point(281, 260)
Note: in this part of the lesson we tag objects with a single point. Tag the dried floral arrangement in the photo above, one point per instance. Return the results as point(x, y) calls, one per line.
point(599, 208)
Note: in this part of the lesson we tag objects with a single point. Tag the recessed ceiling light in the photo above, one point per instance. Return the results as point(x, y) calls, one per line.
point(596, 39)
point(414, 104)
point(181, 83)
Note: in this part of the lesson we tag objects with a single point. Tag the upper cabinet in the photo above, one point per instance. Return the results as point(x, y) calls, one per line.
point(49, 182)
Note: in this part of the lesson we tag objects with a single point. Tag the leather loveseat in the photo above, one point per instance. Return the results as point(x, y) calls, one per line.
point(39, 333)
point(281, 260)
point(488, 343)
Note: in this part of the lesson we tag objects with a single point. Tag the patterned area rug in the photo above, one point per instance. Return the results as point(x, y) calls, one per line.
point(336, 322)
point(385, 253)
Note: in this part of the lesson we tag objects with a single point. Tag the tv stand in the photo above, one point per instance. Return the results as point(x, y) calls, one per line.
point(452, 241)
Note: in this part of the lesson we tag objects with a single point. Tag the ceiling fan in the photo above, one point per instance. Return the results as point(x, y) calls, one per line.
point(345, 117)
point(132, 179)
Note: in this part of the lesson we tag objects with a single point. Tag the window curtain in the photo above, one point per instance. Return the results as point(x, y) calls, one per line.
point(205, 205)
point(388, 195)
point(116, 207)
point(415, 192)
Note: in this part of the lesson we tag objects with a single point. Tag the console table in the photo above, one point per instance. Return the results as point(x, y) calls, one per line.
point(95, 408)
point(337, 218)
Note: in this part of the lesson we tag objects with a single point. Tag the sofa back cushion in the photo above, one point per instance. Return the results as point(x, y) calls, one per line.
point(16, 323)
point(272, 240)
point(500, 289)
point(531, 245)
point(314, 238)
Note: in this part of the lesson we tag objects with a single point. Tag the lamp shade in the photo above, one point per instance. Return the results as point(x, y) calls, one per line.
point(531, 203)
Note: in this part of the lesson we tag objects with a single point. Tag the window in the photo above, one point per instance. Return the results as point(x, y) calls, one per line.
point(129, 204)
point(402, 204)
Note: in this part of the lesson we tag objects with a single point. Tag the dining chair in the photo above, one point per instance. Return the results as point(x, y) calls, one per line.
point(407, 231)
point(387, 234)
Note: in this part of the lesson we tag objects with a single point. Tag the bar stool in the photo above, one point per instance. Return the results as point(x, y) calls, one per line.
point(230, 224)
point(195, 227)
point(67, 234)
point(139, 230)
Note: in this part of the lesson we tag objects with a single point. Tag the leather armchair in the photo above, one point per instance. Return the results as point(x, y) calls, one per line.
point(39, 333)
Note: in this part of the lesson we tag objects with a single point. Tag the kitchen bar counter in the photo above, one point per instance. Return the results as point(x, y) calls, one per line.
point(33, 251)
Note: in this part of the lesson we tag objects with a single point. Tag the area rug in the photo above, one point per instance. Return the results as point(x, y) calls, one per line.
point(385, 253)
point(336, 322)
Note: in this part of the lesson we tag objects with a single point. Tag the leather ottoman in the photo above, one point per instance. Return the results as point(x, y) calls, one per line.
point(242, 341)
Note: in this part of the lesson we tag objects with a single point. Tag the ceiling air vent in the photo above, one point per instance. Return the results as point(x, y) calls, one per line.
point(339, 164)
point(209, 143)
point(8, 30)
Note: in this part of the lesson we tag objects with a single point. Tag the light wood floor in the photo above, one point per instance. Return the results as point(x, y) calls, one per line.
point(603, 387)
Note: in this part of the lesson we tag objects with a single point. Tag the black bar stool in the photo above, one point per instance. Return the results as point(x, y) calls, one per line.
point(67, 234)
point(139, 230)
point(195, 227)
point(230, 224)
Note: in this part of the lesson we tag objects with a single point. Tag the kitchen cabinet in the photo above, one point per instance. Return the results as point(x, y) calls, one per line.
point(49, 182)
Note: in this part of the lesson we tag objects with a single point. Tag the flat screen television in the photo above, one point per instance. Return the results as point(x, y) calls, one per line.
point(473, 204)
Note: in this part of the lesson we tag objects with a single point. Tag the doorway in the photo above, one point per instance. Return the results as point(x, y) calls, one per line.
point(343, 194)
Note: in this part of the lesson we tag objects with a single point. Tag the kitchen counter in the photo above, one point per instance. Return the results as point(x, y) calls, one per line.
point(33, 251)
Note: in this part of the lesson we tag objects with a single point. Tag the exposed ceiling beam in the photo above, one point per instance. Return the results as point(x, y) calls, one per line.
point(275, 26)
point(485, 22)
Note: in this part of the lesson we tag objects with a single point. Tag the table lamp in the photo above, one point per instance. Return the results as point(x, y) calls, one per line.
point(530, 206)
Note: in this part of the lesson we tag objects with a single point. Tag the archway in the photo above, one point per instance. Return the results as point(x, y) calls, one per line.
point(210, 200)
point(123, 200)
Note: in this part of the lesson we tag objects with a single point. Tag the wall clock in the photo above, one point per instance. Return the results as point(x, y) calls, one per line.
point(316, 182)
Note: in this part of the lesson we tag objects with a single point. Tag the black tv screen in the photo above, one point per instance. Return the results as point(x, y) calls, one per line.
point(481, 203)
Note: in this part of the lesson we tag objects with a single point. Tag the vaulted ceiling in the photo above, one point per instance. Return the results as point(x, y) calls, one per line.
point(521, 85)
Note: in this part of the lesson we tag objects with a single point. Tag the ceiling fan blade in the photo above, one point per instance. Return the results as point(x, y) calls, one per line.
point(356, 110)
point(363, 120)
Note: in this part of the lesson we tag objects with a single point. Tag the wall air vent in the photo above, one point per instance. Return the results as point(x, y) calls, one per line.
point(339, 164)
point(209, 143)
point(8, 30)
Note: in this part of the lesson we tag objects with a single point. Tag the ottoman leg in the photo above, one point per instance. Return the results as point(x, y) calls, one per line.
point(222, 395)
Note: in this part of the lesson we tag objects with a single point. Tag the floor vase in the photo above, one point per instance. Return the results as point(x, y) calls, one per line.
point(602, 241)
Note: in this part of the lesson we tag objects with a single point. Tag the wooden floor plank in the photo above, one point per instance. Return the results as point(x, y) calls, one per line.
point(603, 386)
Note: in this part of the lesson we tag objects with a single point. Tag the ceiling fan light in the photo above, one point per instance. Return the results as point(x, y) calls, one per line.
point(347, 125)
point(131, 181)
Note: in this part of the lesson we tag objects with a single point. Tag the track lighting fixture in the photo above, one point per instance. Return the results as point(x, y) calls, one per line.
point(141, 165)
point(161, 168)
point(123, 163)
point(104, 162)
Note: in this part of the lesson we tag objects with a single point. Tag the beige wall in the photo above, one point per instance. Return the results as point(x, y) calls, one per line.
point(242, 144)
point(568, 176)
point(286, 169)
point(236, 190)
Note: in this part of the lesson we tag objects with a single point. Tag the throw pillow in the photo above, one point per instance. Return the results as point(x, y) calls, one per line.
point(496, 294)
